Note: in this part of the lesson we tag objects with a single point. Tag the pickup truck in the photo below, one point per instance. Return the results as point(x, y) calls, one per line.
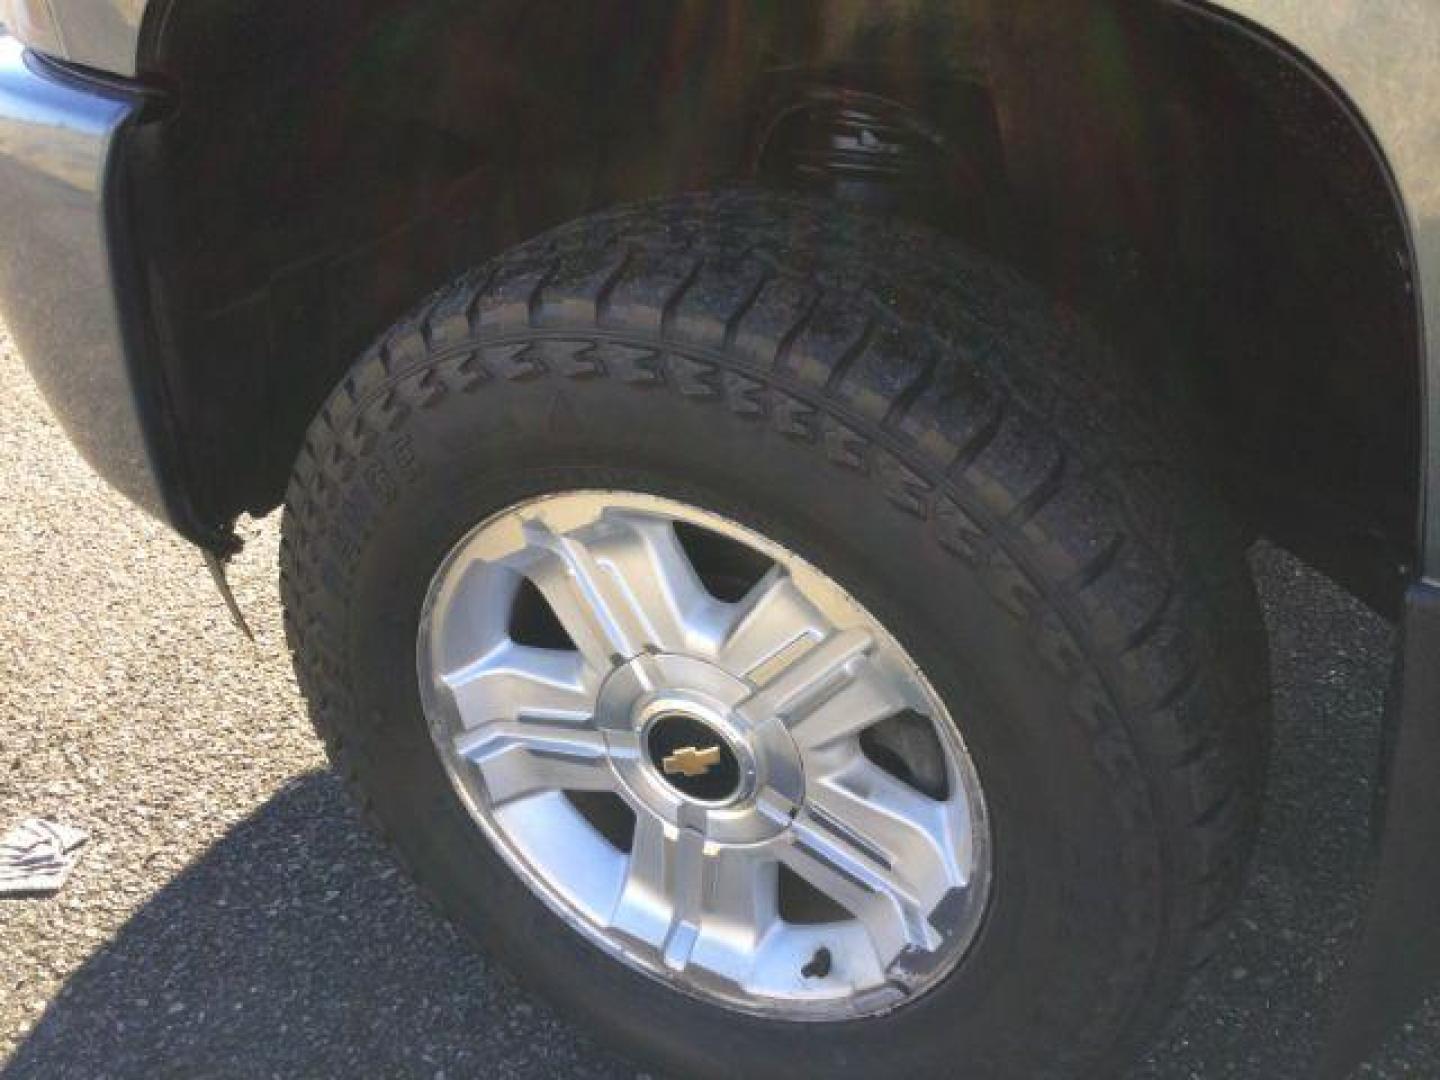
point(766, 486)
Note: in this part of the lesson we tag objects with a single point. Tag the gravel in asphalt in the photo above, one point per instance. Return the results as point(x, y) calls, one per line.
point(231, 917)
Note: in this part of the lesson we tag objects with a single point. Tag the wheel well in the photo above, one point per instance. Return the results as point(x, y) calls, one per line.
point(1200, 193)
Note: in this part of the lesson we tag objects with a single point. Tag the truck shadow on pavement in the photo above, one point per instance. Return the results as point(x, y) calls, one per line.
point(296, 948)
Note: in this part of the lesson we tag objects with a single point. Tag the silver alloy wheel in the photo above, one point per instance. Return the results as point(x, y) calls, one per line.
point(758, 799)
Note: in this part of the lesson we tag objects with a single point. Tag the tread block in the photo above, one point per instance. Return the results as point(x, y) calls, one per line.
point(795, 419)
point(829, 337)
point(718, 297)
point(653, 281)
point(506, 302)
point(881, 378)
point(905, 487)
point(744, 395)
point(641, 367)
point(570, 359)
point(776, 313)
point(514, 363)
point(844, 445)
point(694, 378)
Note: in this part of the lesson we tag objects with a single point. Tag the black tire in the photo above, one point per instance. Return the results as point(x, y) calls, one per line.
point(945, 443)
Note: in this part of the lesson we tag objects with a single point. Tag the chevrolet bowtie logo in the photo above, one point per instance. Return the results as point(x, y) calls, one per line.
point(691, 761)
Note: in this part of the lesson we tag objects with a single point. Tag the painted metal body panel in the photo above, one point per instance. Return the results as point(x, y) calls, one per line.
point(102, 34)
point(99, 34)
point(59, 293)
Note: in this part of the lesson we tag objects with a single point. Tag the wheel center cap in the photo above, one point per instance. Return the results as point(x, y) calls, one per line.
point(686, 751)
point(692, 757)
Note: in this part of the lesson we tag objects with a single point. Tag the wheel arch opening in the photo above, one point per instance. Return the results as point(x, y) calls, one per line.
point(1197, 190)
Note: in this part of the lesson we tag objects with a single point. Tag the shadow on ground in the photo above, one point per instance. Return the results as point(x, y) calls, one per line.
point(295, 948)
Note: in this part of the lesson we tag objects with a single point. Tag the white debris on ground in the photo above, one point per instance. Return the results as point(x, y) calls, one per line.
point(37, 856)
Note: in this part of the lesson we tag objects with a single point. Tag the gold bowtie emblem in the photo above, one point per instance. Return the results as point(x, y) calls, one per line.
point(690, 761)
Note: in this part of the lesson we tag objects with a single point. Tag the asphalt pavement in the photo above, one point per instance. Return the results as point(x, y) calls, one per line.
point(231, 918)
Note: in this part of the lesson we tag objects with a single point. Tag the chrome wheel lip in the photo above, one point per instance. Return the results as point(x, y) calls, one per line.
point(762, 810)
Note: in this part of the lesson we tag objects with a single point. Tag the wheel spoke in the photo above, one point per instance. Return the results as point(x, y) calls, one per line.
point(521, 758)
point(661, 900)
point(910, 829)
point(743, 897)
point(880, 856)
point(526, 713)
point(768, 623)
point(513, 682)
point(620, 585)
point(812, 675)
point(866, 697)
point(830, 693)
